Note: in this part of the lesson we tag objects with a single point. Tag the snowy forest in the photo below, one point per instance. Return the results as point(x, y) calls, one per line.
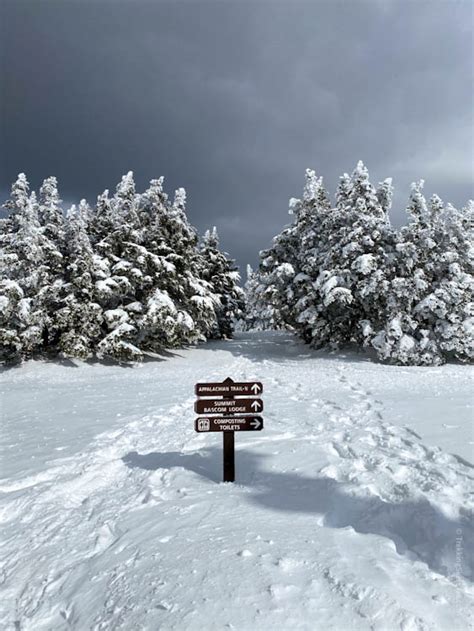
point(127, 277)
point(341, 274)
point(130, 276)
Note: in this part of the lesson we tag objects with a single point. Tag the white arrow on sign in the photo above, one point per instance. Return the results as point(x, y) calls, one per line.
point(256, 423)
point(256, 405)
point(256, 388)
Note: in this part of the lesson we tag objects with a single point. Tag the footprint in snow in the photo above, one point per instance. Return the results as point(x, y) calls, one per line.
point(412, 432)
point(283, 592)
point(287, 564)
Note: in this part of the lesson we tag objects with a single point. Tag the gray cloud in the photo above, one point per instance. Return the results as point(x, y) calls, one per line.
point(233, 100)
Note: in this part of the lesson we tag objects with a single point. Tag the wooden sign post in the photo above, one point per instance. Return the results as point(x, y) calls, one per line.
point(229, 457)
point(228, 449)
point(228, 404)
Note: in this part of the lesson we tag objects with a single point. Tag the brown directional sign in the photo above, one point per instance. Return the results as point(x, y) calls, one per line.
point(234, 388)
point(226, 424)
point(223, 406)
point(228, 398)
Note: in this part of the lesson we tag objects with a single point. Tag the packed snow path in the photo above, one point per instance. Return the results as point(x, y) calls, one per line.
point(345, 514)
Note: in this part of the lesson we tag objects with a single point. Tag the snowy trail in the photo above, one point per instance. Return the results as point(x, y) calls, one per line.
point(341, 518)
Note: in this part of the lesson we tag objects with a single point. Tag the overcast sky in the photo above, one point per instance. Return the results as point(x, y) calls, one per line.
point(234, 99)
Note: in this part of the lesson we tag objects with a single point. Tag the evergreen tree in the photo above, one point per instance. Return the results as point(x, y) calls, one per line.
point(252, 306)
point(222, 275)
point(311, 218)
point(276, 276)
point(192, 294)
point(126, 264)
point(260, 315)
point(50, 295)
point(355, 262)
point(160, 323)
point(12, 324)
point(447, 308)
point(23, 271)
point(403, 337)
point(86, 214)
point(80, 316)
point(156, 297)
point(102, 220)
point(385, 194)
point(50, 212)
point(282, 287)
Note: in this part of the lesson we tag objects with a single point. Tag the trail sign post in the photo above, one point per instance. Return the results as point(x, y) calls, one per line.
point(230, 403)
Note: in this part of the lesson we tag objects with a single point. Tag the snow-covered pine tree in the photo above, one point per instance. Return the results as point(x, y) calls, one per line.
point(192, 295)
point(260, 315)
point(275, 277)
point(153, 296)
point(316, 318)
point(356, 264)
point(162, 321)
point(311, 217)
point(101, 221)
point(223, 276)
point(12, 320)
point(406, 337)
point(17, 206)
point(99, 224)
point(23, 273)
point(52, 223)
point(448, 309)
point(11, 293)
point(253, 308)
point(80, 316)
point(285, 291)
point(117, 225)
point(86, 213)
point(385, 194)
point(283, 286)
point(455, 330)
point(50, 212)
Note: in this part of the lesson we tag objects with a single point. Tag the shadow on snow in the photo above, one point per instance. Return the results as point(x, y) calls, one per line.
point(418, 529)
point(68, 362)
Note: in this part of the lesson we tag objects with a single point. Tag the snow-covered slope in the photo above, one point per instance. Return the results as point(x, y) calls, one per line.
point(351, 509)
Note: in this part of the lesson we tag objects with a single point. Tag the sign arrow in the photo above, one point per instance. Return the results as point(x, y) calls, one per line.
point(229, 387)
point(256, 405)
point(256, 423)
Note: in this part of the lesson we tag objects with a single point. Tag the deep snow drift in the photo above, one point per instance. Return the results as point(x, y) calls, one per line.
point(351, 509)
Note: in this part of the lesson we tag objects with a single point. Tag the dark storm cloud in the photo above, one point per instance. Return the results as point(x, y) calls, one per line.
point(233, 100)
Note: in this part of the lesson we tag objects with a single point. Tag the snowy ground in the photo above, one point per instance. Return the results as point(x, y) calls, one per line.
point(351, 509)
